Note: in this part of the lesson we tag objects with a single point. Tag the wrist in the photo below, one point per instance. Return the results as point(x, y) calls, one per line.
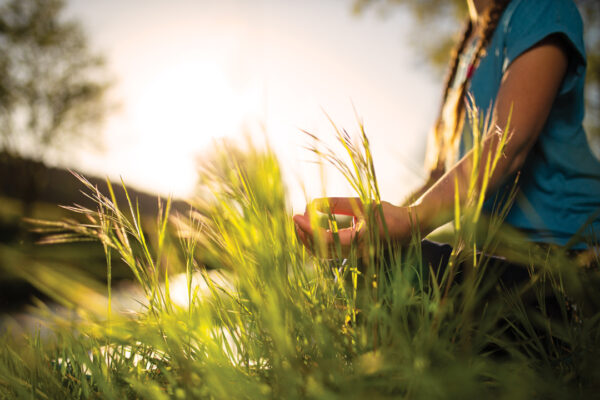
point(419, 219)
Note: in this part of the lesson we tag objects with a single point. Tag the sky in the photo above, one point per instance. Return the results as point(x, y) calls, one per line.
point(188, 72)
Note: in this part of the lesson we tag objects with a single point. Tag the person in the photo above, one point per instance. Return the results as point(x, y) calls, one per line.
point(525, 61)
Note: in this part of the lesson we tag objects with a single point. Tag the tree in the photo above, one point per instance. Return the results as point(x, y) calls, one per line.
point(53, 89)
point(441, 20)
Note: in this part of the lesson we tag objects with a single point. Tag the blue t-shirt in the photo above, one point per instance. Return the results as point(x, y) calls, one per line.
point(559, 185)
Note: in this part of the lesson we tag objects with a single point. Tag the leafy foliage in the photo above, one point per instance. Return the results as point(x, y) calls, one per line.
point(52, 87)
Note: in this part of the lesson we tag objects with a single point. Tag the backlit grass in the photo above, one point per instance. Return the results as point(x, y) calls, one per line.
point(265, 318)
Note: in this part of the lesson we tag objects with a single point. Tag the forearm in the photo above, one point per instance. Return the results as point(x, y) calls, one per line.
point(529, 87)
point(434, 176)
point(414, 196)
point(466, 180)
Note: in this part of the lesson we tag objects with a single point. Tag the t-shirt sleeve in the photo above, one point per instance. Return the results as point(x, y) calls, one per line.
point(533, 20)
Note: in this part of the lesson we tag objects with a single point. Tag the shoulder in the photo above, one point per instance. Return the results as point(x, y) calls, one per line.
point(526, 17)
point(527, 22)
point(529, 10)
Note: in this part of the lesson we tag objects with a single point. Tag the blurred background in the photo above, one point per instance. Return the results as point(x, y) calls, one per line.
point(140, 89)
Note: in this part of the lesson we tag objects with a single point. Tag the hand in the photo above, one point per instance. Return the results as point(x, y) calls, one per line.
point(398, 221)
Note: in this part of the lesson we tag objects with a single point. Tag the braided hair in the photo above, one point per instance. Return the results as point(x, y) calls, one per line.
point(442, 144)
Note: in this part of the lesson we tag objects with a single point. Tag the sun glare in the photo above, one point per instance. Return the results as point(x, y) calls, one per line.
point(189, 103)
point(181, 108)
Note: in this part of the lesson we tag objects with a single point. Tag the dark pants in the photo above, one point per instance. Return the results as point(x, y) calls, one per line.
point(500, 275)
point(437, 256)
point(504, 275)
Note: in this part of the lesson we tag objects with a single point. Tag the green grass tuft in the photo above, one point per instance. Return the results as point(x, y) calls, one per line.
point(263, 318)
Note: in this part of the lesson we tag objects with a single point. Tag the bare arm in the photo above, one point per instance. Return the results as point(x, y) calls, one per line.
point(434, 176)
point(529, 86)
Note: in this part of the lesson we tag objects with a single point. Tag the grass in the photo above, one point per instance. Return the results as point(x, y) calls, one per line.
point(274, 321)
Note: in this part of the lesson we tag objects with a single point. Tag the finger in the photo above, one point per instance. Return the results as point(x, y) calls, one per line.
point(302, 237)
point(303, 222)
point(346, 236)
point(339, 205)
point(301, 227)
